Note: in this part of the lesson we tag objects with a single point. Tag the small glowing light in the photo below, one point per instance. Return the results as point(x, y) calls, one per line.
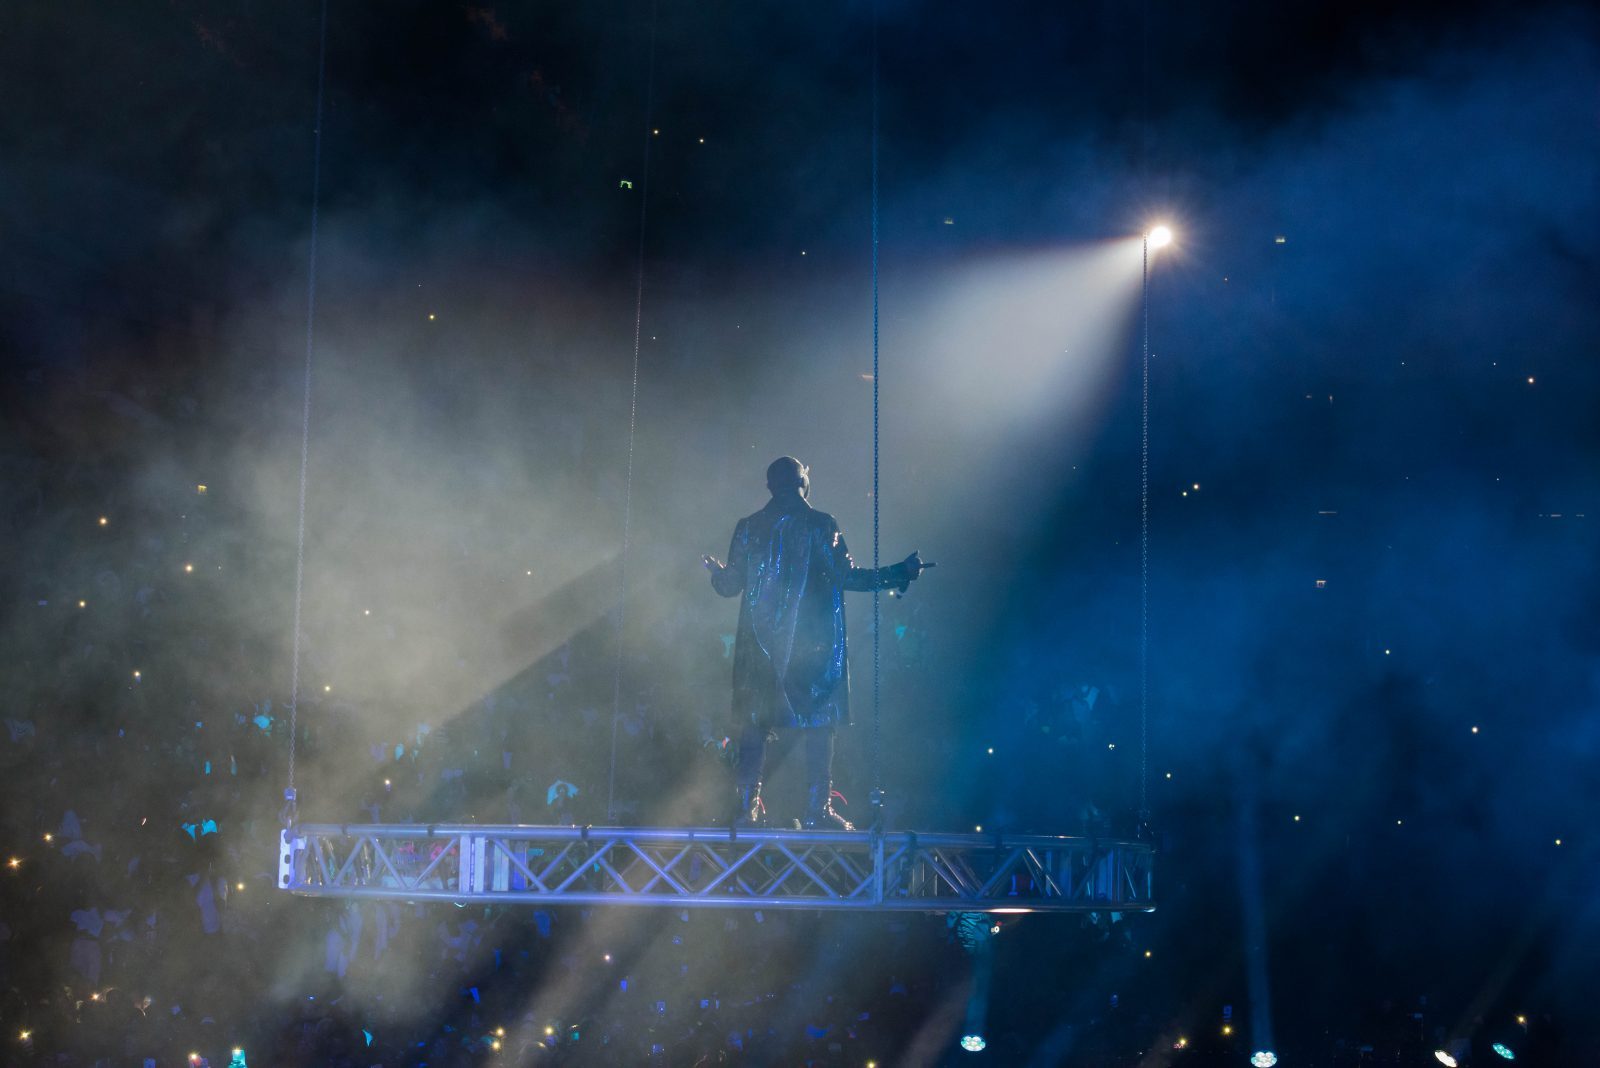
point(25, 1035)
point(530, 574)
point(949, 220)
point(802, 252)
point(239, 887)
point(1186, 493)
point(1530, 380)
point(1111, 745)
point(104, 520)
point(1160, 237)
point(1195, 486)
point(432, 317)
point(1399, 823)
point(366, 611)
point(994, 929)
point(1386, 652)
point(83, 604)
point(607, 958)
point(194, 1058)
point(549, 1030)
point(1280, 240)
point(49, 837)
point(1474, 730)
point(1263, 1058)
point(702, 140)
point(973, 1043)
point(188, 569)
point(1169, 774)
point(137, 675)
point(1504, 1051)
point(500, 1032)
point(655, 133)
point(327, 689)
point(979, 828)
point(1147, 954)
point(200, 487)
point(1182, 1043)
point(1558, 841)
point(1227, 1029)
point(1522, 1021)
point(991, 750)
point(1297, 818)
point(1444, 1058)
point(386, 782)
point(495, 1045)
point(238, 1051)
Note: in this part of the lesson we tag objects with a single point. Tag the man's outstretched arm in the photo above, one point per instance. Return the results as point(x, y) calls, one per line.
point(728, 581)
point(890, 577)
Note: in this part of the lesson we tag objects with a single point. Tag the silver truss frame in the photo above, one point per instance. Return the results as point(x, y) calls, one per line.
point(715, 867)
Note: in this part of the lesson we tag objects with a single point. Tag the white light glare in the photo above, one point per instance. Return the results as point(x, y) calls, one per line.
point(1263, 1058)
point(1160, 237)
point(973, 1043)
point(1444, 1058)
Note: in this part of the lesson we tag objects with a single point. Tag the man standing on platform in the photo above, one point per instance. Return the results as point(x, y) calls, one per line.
point(789, 566)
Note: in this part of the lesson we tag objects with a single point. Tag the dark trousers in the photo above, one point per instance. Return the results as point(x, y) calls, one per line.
point(753, 754)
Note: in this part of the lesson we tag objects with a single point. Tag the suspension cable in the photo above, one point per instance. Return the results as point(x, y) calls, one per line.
point(1144, 555)
point(877, 595)
point(290, 798)
point(633, 414)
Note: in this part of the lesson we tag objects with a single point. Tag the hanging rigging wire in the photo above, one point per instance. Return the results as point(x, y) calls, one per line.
point(633, 413)
point(289, 796)
point(877, 595)
point(1144, 557)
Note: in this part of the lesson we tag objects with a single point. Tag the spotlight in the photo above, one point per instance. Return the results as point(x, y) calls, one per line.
point(973, 1043)
point(1263, 1058)
point(1444, 1058)
point(1160, 237)
point(1504, 1051)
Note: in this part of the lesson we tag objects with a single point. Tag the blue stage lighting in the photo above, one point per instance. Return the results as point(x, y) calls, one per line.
point(973, 1043)
point(1504, 1051)
point(1263, 1058)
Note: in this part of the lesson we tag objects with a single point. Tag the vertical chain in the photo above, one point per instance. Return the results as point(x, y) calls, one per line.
point(1144, 555)
point(877, 594)
point(633, 417)
point(289, 795)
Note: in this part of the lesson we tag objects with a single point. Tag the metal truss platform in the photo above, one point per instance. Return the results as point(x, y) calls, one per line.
point(712, 867)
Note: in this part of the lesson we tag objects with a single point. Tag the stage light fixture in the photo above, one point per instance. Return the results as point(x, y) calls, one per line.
point(973, 1043)
point(1160, 237)
point(1444, 1058)
point(1263, 1058)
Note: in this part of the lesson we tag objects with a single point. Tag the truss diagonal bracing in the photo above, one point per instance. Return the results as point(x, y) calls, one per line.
point(714, 867)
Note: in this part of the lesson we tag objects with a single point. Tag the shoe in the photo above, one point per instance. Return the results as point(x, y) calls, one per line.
point(820, 813)
point(748, 809)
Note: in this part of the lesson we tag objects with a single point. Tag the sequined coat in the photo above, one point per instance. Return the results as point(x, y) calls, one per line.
point(789, 567)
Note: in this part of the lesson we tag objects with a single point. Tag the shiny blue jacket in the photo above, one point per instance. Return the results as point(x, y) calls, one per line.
point(789, 567)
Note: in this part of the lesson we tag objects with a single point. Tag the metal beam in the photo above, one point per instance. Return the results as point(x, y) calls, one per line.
point(715, 867)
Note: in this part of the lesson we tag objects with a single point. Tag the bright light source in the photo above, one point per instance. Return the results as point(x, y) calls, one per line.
point(1504, 1050)
point(973, 1043)
point(1444, 1058)
point(1160, 237)
point(1263, 1058)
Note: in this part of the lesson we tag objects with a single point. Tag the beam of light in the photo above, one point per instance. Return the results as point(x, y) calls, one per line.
point(1444, 1058)
point(1160, 237)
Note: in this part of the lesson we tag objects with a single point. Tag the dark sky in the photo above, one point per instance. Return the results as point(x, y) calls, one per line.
point(1375, 355)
